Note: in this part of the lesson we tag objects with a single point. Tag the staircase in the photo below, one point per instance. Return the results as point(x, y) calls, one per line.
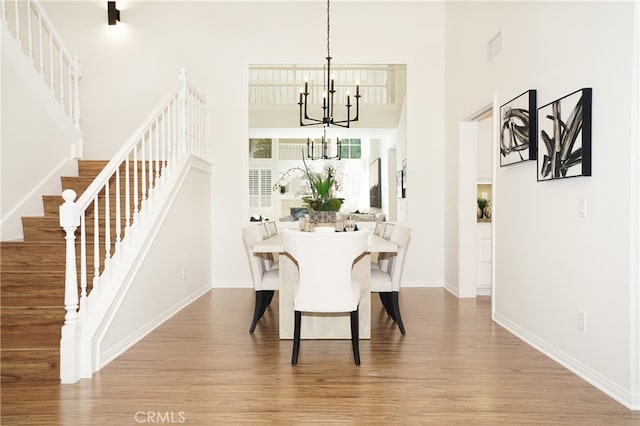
point(32, 287)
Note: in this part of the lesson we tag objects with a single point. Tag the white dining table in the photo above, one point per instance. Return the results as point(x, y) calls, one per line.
point(323, 326)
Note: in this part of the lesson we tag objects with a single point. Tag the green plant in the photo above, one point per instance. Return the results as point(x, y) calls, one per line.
point(322, 186)
point(482, 203)
point(319, 188)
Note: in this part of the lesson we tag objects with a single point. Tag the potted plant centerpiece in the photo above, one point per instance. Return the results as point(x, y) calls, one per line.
point(318, 192)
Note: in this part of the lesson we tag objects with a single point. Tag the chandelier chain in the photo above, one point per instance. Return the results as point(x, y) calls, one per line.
point(328, 27)
point(329, 94)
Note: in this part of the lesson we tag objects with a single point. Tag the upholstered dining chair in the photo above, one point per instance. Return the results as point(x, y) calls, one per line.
point(325, 282)
point(379, 228)
point(265, 280)
point(386, 280)
point(389, 227)
point(272, 228)
point(383, 230)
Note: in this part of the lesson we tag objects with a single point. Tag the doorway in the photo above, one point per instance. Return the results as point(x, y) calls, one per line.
point(475, 217)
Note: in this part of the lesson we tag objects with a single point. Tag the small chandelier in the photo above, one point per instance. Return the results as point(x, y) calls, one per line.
point(324, 148)
point(328, 98)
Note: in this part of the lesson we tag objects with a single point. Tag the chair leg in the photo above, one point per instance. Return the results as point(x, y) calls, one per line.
point(270, 297)
point(266, 301)
point(257, 310)
point(355, 336)
point(396, 311)
point(385, 298)
point(297, 318)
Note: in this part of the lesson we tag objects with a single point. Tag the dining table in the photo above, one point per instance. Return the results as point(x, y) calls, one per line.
point(323, 325)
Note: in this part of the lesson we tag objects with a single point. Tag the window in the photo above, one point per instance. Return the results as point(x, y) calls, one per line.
point(260, 148)
point(260, 188)
point(350, 148)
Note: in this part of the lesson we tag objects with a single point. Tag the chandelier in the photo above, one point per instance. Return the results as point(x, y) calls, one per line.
point(328, 98)
point(324, 153)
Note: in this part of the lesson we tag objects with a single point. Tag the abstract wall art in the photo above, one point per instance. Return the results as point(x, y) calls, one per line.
point(518, 129)
point(564, 137)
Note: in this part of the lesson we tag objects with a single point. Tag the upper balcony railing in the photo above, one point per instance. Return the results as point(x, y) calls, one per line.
point(27, 22)
point(281, 84)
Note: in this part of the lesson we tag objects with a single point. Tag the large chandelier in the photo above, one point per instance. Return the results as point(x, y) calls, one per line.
point(324, 153)
point(328, 98)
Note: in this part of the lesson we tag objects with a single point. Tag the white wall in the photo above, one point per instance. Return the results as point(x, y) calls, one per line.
point(37, 138)
point(550, 263)
point(159, 289)
point(124, 76)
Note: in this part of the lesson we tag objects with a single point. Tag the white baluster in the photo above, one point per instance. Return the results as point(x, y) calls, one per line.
point(51, 62)
point(76, 74)
point(40, 45)
point(157, 146)
point(69, 221)
point(107, 227)
point(61, 71)
point(96, 245)
point(150, 162)
point(83, 262)
point(17, 10)
point(182, 111)
point(29, 37)
point(118, 214)
point(127, 197)
point(136, 201)
point(70, 90)
point(143, 174)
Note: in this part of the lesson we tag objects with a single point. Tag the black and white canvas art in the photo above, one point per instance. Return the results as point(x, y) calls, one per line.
point(404, 178)
point(564, 138)
point(518, 129)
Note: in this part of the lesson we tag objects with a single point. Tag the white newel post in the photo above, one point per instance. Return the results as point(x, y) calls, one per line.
point(182, 111)
point(69, 362)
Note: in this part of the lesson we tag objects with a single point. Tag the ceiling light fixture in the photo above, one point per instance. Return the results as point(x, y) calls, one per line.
point(113, 14)
point(328, 98)
point(324, 148)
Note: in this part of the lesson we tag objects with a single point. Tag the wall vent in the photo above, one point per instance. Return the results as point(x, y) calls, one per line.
point(495, 46)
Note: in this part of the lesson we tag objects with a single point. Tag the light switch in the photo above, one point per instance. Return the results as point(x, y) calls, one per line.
point(582, 209)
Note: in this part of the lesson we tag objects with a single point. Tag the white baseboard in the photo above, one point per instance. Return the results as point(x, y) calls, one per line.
point(615, 391)
point(422, 284)
point(233, 284)
point(483, 291)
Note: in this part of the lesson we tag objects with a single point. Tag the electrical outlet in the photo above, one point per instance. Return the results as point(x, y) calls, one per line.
point(184, 273)
point(582, 321)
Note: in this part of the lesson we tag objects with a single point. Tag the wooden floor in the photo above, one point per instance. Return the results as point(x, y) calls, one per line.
point(202, 367)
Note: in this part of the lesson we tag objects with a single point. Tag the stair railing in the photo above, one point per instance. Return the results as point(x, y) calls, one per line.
point(27, 22)
point(137, 173)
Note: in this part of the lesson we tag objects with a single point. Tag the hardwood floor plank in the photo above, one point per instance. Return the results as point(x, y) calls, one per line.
point(453, 367)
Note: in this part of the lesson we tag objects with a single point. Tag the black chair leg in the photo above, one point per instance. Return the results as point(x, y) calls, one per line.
point(297, 318)
point(396, 311)
point(385, 298)
point(355, 336)
point(266, 301)
point(270, 297)
point(257, 310)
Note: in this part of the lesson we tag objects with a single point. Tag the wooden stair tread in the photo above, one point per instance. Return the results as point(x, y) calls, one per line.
point(36, 340)
point(32, 277)
point(31, 363)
